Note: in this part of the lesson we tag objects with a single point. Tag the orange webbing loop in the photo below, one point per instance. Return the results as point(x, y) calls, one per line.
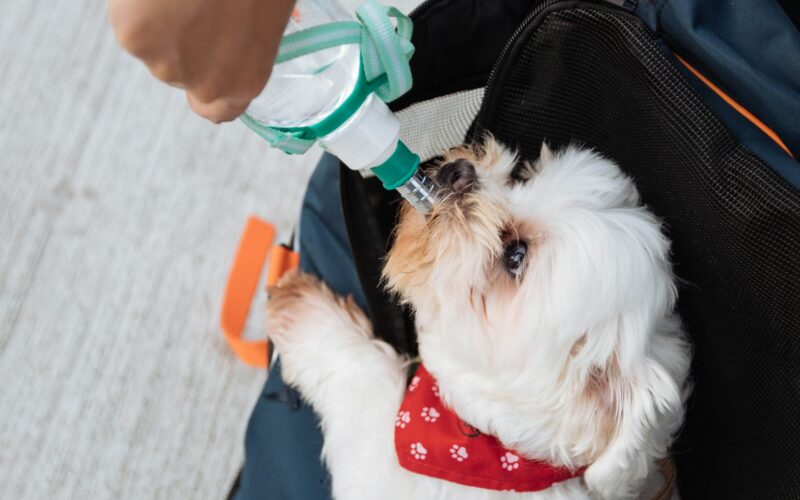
point(242, 282)
point(281, 259)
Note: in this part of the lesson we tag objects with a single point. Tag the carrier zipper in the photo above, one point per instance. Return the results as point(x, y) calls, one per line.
point(504, 52)
point(477, 124)
point(628, 5)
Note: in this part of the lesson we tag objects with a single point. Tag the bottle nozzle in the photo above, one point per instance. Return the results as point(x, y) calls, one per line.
point(420, 191)
point(401, 172)
point(370, 138)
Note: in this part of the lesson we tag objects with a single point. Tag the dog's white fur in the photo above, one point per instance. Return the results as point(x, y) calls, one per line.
point(580, 361)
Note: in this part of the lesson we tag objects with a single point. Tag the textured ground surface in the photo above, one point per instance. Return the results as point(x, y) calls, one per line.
point(120, 212)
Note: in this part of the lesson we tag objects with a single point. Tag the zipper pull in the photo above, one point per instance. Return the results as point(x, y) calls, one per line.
point(629, 5)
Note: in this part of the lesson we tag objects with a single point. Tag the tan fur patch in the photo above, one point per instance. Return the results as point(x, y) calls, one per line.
point(485, 154)
point(409, 260)
point(602, 391)
point(577, 346)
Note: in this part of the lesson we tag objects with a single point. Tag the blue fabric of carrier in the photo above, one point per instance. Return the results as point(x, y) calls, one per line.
point(283, 441)
point(750, 49)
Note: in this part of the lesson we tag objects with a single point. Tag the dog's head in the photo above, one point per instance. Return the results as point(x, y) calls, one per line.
point(536, 286)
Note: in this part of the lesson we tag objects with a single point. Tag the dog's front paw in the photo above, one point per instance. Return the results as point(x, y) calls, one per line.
point(313, 330)
point(291, 300)
point(302, 309)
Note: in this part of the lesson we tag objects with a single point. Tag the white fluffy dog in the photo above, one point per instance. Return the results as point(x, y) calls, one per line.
point(543, 297)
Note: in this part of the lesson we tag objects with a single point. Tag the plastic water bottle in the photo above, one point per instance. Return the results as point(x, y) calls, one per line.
point(304, 91)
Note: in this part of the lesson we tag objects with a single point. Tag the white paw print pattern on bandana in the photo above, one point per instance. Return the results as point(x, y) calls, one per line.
point(430, 414)
point(414, 383)
point(403, 418)
point(458, 453)
point(509, 461)
point(435, 389)
point(418, 451)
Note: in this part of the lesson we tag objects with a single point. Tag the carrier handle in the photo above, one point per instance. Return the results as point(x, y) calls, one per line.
point(254, 247)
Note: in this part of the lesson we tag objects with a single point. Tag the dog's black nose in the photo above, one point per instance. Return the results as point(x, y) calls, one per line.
point(459, 176)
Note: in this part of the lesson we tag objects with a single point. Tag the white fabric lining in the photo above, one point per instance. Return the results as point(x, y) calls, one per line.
point(430, 127)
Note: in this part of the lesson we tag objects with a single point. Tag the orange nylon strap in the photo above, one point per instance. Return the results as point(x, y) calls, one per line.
point(738, 107)
point(281, 259)
point(242, 282)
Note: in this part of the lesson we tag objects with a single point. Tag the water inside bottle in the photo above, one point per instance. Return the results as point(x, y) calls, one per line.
point(304, 90)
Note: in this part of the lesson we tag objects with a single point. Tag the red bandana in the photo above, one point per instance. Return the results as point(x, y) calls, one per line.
point(431, 440)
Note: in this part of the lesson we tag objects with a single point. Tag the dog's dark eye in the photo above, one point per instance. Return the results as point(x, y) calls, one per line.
point(514, 257)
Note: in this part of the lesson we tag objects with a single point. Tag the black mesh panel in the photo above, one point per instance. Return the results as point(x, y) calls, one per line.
point(599, 78)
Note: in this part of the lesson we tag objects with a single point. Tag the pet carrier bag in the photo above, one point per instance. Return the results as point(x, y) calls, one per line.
point(698, 101)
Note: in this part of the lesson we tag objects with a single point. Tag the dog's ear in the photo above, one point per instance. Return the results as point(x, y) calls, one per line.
point(644, 394)
point(643, 346)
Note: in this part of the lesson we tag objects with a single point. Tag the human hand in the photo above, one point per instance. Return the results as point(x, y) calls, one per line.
point(220, 52)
